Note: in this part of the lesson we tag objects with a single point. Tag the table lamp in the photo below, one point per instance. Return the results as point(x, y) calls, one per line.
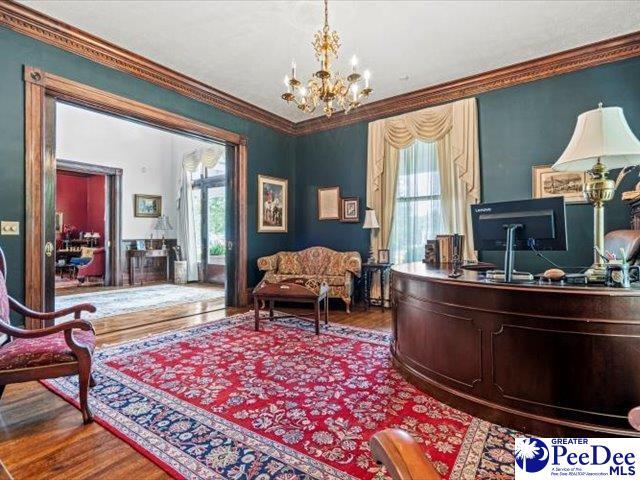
point(370, 222)
point(163, 225)
point(602, 140)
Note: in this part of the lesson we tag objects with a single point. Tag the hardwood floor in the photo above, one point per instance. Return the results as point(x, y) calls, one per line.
point(42, 436)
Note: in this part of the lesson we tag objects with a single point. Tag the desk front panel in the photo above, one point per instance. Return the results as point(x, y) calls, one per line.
point(539, 360)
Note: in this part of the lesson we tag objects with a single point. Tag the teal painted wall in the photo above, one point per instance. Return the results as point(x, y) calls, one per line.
point(270, 152)
point(519, 127)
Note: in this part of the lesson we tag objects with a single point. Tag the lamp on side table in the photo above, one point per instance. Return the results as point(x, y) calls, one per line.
point(370, 222)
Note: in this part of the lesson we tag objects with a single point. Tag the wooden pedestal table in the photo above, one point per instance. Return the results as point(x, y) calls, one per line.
point(291, 291)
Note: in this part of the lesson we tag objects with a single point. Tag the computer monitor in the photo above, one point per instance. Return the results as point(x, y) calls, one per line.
point(519, 225)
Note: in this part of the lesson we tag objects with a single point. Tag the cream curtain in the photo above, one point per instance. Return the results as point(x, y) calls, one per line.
point(454, 128)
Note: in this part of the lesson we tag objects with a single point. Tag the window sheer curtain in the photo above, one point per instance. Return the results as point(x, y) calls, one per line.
point(188, 228)
point(418, 210)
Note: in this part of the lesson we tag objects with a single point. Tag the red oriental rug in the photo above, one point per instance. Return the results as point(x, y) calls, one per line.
point(224, 401)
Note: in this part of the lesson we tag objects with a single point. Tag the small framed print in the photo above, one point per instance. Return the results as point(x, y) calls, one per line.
point(549, 183)
point(329, 203)
point(147, 206)
point(140, 245)
point(383, 255)
point(350, 211)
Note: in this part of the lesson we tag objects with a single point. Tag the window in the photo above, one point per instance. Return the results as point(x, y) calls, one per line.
point(417, 214)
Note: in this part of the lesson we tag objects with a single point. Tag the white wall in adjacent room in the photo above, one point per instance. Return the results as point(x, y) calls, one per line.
point(149, 158)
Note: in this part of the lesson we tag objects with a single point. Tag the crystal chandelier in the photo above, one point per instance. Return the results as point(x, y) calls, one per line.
point(326, 87)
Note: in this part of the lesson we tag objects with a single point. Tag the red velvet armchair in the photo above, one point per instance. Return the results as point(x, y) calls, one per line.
point(95, 268)
point(57, 351)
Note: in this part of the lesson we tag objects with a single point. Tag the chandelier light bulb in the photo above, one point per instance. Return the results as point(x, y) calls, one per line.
point(303, 92)
point(293, 69)
point(354, 62)
point(367, 76)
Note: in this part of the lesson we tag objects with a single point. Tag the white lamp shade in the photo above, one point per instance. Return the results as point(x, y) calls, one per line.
point(370, 220)
point(602, 134)
point(162, 224)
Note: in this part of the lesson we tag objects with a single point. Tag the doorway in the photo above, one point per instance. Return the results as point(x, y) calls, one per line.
point(222, 243)
point(88, 206)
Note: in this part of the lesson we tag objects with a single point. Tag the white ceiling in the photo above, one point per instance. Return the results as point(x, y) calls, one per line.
point(245, 47)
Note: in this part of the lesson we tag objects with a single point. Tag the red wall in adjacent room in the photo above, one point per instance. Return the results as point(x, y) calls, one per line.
point(82, 201)
point(96, 205)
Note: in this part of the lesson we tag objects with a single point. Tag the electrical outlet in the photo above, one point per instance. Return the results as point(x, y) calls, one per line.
point(9, 228)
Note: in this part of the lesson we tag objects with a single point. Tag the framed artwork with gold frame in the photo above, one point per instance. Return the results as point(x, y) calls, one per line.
point(547, 182)
point(273, 204)
point(147, 206)
point(329, 203)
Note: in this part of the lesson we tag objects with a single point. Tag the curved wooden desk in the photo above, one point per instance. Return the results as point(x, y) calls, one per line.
point(555, 360)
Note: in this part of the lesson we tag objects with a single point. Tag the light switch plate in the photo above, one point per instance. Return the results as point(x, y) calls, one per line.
point(9, 228)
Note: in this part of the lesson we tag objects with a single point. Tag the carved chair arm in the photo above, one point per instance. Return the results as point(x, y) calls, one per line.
point(43, 332)
point(401, 455)
point(634, 418)
point(27, 312)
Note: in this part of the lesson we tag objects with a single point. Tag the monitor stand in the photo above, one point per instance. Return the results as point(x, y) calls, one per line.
point(509, 274)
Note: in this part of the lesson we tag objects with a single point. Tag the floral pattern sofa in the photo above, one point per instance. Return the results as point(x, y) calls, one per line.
point(315, 265)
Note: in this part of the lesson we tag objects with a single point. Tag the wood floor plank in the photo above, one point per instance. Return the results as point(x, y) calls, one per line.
point(42, 436)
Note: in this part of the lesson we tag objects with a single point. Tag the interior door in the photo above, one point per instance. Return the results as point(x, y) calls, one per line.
point(49, 207)
point(231, 227)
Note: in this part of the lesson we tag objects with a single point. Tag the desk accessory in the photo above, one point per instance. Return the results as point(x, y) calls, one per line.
point(619, 275)
point(602, 136)
point(431, 254)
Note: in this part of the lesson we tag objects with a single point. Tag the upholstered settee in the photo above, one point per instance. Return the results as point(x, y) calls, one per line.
point(315, 264)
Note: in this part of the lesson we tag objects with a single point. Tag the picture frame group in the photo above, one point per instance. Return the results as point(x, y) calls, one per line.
point(331, 206)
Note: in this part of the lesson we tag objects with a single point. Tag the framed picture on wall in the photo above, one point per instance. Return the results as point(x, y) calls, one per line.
point(59, 221)
point(350, 210)
point(147, 206)
point(329, 203)
point(273, 204)
point(549, 183)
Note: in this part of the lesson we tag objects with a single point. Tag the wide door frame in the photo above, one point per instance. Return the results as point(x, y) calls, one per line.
point(38, 86)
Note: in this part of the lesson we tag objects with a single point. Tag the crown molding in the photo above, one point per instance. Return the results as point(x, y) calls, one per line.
point(606, 51)
point(32, 23)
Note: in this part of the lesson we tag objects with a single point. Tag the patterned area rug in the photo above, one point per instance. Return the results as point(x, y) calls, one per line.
point(224, 401)
point(126, 300)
